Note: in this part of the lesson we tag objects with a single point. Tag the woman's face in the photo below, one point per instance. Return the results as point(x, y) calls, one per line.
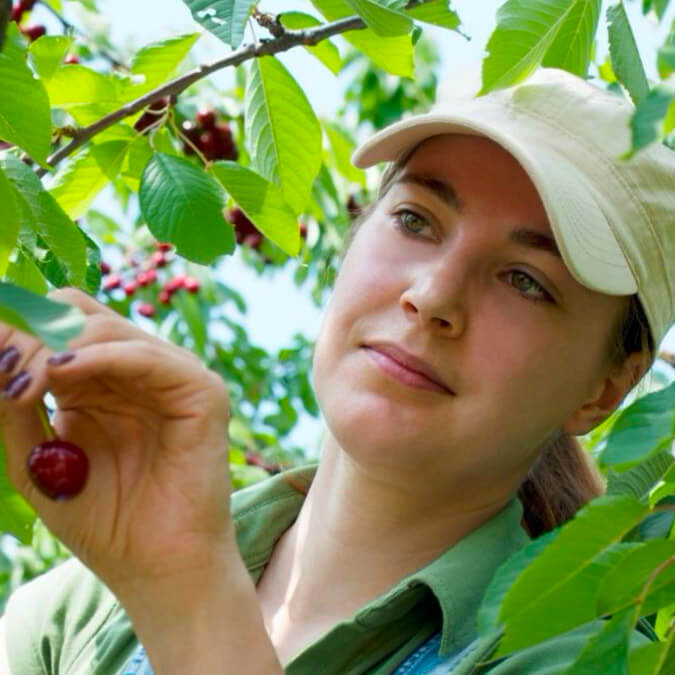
point(505, 326)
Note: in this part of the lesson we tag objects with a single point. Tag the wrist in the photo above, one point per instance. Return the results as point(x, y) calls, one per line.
point(200, 624)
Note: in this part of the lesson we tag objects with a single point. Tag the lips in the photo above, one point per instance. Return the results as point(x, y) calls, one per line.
point(409, 361)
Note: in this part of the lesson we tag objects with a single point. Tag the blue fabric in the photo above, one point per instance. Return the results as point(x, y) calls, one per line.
point(426, 661)
point(139, 664)
point(423, 661)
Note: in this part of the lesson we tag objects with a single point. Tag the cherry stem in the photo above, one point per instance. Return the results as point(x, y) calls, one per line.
point(44, 420)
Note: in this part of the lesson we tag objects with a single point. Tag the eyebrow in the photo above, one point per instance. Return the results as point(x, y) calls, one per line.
point(523, 236)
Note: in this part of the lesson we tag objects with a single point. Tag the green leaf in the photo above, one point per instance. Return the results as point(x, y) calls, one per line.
point(53, 322)
point(342, 147)
point(437, 12)
point(157, 62)
point(325, 50)
point(622, 586)
point(47, 54)
point(77, 182)
point(11, 219)
point(183, 204)
point(93, 263)
point(23, 272)
point(226, 19)
point(642, 430)
point(667, 486)
point(25, 117)
point(382, 20)
point(42, 213)
point(665, 60)
point(626, 62)
point(571, 48)
point(639, 480)
point(139, 154)
point(530, 31)
point(263, 203)
point(392, 54)
point(85, 93)
point(560, 579)
point(607, 651)
point(645, 659)
point(16, 514)
point(283, 133)
point(654, 116)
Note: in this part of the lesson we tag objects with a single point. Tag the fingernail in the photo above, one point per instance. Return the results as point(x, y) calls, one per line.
point(60, 358)
point(9, 357)
point(17, 385)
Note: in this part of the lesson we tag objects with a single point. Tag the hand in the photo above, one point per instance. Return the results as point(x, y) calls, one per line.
point(153, 421)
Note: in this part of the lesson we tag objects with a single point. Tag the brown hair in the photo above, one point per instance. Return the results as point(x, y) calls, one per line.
point(563, 478)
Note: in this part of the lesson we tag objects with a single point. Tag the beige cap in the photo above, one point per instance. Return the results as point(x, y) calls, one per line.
point(613, 219)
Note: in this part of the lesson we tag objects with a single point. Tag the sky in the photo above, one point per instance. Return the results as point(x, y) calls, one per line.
point(277, 310)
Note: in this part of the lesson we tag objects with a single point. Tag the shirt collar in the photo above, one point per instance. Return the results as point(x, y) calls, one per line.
point(456, 579)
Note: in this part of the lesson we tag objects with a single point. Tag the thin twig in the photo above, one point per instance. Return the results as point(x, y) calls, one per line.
point(290, 38)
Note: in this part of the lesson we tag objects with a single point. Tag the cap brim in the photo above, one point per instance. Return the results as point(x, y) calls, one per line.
point(582, 232)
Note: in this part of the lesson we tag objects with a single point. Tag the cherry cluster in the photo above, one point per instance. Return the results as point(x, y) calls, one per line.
point(247, 233)
point(32, 32)
point(144, 274)
point(212, 137)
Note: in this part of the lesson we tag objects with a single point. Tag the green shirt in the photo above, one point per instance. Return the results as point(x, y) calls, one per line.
point(67, 622)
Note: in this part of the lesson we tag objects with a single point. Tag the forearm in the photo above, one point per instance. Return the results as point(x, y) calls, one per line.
point(213, 627)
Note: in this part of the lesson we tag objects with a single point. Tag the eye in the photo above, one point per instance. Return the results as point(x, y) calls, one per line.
point(405, 219)
point(524, 281)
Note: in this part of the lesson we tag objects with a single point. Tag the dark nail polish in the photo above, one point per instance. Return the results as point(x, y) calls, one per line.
point(60, 358)
point(17, 385)
point(9, 357)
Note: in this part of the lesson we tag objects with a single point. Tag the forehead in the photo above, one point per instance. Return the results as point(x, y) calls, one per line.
point(460, 170)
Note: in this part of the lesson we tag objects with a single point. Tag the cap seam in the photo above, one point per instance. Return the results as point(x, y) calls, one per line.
point(599, 153)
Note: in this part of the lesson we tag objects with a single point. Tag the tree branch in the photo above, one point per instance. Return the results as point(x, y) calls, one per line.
point(289, 39)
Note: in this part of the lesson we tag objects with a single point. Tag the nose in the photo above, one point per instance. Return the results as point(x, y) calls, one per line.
point(436, 297)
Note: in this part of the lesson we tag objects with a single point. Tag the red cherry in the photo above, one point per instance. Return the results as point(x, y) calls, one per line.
point(16, 14)
point(206, 118)
point(130, 288)
point(303, 230)
point(208, 144)
point(163, 246)
point(147, 310)
point(193, 133)
point(158, 259)
point(27, 5)
point(146, 278)
point(242, 225)
point(112, 282)
point(175, 284)
point(71, 58)
point(58, 469)
point(105, 268)
point(253, 240)
point(191, 285)
point(34, 32)
point(151, 115)
point(226, 145)
point(352, 206)
point(164, 297)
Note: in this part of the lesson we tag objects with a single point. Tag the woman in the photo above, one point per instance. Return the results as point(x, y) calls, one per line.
point(495, 267)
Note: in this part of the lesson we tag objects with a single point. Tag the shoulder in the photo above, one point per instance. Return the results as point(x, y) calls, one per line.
point(51, 620)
